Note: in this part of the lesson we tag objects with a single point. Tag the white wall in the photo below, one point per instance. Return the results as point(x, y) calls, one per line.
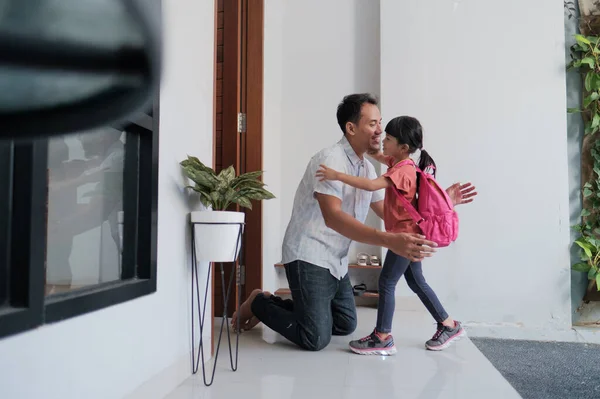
point(490, 93)
point(315, 53)
point(112, 352)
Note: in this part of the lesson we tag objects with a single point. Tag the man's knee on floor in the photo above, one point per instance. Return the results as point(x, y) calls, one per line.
point(315, 342)
point(345, 326)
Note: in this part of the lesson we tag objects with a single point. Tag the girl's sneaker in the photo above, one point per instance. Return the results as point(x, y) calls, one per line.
point(373, 345)
point(445, 336)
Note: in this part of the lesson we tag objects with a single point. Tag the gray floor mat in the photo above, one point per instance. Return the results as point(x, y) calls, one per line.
point(546, 370)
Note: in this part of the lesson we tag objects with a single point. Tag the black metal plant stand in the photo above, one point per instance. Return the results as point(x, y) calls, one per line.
point(202, 312)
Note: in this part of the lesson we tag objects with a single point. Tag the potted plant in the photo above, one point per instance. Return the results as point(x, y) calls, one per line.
point(218, 231)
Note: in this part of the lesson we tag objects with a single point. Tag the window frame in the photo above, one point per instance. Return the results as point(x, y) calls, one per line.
point(27, 306)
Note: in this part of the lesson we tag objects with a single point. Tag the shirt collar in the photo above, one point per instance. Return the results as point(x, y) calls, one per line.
point(350, 153)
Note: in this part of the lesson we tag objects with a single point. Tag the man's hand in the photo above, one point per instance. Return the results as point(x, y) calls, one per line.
point(411, 246)
point(461, 193)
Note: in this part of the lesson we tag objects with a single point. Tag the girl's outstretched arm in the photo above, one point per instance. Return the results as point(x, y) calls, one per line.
point(379, 157)
point(362, 183)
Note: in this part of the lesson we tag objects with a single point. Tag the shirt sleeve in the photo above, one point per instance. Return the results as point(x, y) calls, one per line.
point(400, 178)
point(329, 187)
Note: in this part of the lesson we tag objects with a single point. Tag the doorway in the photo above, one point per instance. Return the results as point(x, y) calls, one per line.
point(238, 126)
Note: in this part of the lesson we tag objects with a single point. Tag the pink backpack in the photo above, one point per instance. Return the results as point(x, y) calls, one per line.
point(435, 215)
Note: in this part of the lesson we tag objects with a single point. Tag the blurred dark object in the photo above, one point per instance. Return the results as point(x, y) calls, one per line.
point(72, 65)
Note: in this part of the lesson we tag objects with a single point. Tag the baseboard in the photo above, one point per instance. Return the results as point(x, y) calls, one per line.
point(163, 383)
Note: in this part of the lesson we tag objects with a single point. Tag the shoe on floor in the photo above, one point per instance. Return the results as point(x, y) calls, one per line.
point(373, 345)
point(445, 336)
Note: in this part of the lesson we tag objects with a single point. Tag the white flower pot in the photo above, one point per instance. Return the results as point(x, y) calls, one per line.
point(217, 235)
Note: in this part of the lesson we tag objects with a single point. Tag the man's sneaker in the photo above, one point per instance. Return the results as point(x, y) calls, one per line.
point(373, 345)
point(444, 336)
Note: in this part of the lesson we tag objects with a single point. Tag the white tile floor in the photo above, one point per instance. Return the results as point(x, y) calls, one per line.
point(270, 367)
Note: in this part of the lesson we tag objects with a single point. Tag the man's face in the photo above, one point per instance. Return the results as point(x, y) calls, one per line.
point(367, 134)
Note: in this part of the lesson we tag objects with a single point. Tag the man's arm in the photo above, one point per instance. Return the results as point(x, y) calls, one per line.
point(377, 207)
point(411, 246)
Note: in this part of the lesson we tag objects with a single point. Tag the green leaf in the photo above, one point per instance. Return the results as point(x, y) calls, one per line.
point(244, 202)
point(587, 185)
point(201, 178)
point(581, 267)
point(592, 274)
point(598, 281)
point(215, 199)
point(596, 121)
point(590, 99)
point(249, 179)
point(587, 192)
point(258, 194)
point(251, 175)
point(583, 41)
point(229, 195)
point(589, 61)
point(586, 246)
point(206, 200)
point(585, 213)
point(227, 175)
point(594, 81)
point(588, 82)
point(196, 164)
point(573, 110)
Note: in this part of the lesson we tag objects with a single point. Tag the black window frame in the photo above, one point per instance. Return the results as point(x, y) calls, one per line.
point(23, 212)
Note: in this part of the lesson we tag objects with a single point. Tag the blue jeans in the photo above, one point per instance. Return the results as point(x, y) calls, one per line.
point(393, 268)
point(321, 306)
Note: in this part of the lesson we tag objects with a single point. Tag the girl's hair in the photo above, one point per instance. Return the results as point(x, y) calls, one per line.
point(408, 130)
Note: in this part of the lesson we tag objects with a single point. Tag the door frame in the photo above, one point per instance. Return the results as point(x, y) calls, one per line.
point(241, 19)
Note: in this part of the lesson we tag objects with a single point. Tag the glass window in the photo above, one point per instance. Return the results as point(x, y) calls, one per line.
point(84, 209)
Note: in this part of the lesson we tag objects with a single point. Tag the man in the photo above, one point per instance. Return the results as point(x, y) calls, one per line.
point(327, 216)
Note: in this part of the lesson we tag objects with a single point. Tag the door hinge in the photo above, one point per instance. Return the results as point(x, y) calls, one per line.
point(241, 123)
point(242, 275)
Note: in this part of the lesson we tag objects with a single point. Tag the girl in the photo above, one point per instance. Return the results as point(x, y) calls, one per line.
point(404, 135)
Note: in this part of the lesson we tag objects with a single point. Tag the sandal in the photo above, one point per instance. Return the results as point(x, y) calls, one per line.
point(359, 289)
point(362, 259)
point(374, 260)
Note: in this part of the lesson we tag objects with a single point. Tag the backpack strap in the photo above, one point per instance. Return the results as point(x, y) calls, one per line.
point(414, 214)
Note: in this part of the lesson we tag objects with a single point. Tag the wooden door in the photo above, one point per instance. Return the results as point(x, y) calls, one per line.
point(238, 125)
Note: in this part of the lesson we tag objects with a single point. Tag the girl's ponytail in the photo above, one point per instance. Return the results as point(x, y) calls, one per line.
point(425, 161)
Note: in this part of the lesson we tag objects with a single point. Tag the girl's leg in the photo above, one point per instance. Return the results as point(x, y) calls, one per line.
point(380, 341)
point(416, 282)
point(448, 330)
point(393, 269)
